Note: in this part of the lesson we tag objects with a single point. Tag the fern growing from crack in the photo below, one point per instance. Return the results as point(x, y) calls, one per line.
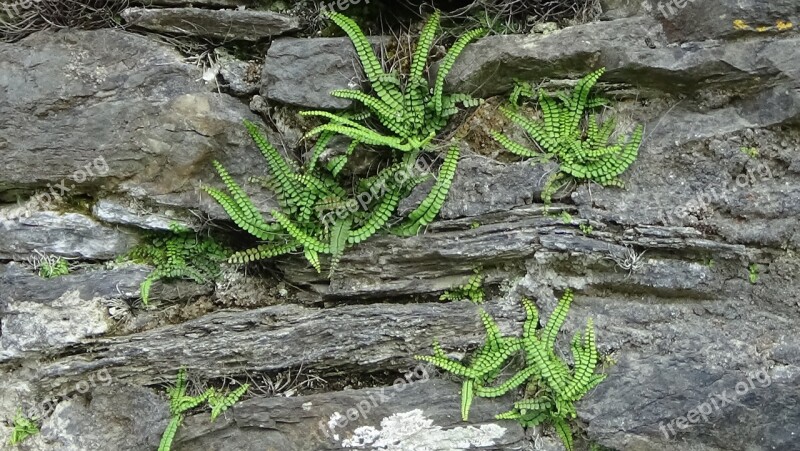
point(553, 384)
point(410, 110)
point(579, 143)
point(180, 403)
point(178, 254)
point(22, 428)
point(472, 290)
point(317, 214)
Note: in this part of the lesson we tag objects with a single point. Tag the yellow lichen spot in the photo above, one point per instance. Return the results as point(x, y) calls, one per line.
point(763, 28)
point(783, 25)
point(739, 24)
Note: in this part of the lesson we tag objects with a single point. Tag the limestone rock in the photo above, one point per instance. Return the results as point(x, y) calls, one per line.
point(224, 24)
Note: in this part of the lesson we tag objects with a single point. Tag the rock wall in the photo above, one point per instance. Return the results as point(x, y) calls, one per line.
point(107, 134)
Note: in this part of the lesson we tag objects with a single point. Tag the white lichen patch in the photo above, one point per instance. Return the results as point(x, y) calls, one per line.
point(413, 431)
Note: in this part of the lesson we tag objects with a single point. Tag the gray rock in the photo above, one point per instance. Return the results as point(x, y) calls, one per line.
point(67, 320)
point(664, 273)
point(225, 24)
point(123, 106)
point(242, 78)
point(692, 20)
point(44, 316)
point(273, 339)
point(303, 72)
point(624, 47)
point(482, 185)
point(20, 284)
point(115, 417)
point(66, 235)
point(415, 414)
point(117, 211)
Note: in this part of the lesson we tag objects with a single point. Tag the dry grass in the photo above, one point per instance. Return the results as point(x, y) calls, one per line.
point(17, 22)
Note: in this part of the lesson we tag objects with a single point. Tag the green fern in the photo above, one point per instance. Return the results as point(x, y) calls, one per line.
point(317, 214)
point(23, 427)
point(53, 267)
point(411, 112)
point(484, 366)
point(556, 386)
point(753, 273)
point(220, 402)
point(180, 403)
point(472, 290)
point(178, 254)
point(580, 143)
point(427, 210)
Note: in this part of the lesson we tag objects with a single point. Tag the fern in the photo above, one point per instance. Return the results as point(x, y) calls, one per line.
point(580, 143)
point(410, 115)
point(487, 362)
point(427, 210)
point(178, 254)
point(220, 402)
point(53, 267)
point(557, 385)
point(472, 290)
point(317, 214)
point(23, 427)
point(180, 403)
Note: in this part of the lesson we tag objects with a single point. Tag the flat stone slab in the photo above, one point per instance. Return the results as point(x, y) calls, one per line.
point(66, 235)
point(227, 24)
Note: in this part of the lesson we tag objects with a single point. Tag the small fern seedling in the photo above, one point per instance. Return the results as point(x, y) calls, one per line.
point(178, 254)
point(753, 273)
point(180, 403)
point(23, 427)
point(472, 290)
point(49, 266)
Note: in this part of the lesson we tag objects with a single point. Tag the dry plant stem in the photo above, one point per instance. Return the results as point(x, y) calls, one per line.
point(42, 14)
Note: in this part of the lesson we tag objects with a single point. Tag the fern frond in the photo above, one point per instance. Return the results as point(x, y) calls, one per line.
point(220, 404)
point(279, 167)
point(372, 67)
point(580, 96)
point(366, 136)
point(424, 45)
point(427, 210)
point(512, 383)
point(248, 222)
point(521, 89)
point(339, 236)
point(303, 238)
point(564, 433)
point(169, 434)
point(144, 289)
point(467, 394)
point(383, 211)
point(512, 146)
point(448, 62)
point(557, 319)
point(263, 252)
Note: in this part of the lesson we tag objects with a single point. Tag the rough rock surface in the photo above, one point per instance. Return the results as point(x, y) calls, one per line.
point(414, 414)
point(122, 106)
point(303, 72)
point(66, 235)
point(224, 24)
point(701, 348)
